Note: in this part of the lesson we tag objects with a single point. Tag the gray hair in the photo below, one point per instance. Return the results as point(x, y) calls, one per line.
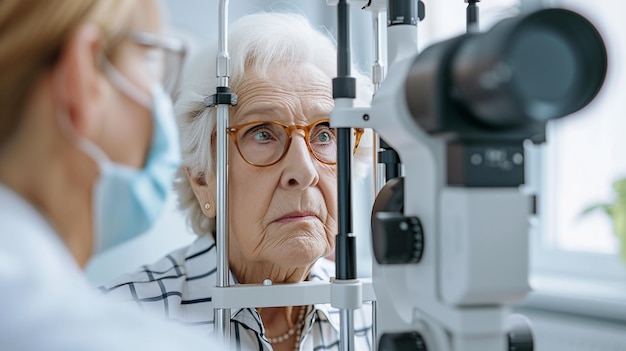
point(257, 42)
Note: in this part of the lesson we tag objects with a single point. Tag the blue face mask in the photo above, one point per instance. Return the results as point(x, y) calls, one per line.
point(127, 201)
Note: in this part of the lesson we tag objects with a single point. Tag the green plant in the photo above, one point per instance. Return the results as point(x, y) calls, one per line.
point(616, 210)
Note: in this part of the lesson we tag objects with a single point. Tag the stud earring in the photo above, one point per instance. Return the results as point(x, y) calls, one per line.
point(207, 206)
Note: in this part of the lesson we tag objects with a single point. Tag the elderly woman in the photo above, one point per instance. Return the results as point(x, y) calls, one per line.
point(282, 187)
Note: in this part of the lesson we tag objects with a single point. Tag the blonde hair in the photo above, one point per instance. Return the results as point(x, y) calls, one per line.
point(32, 35)
point(258, 43)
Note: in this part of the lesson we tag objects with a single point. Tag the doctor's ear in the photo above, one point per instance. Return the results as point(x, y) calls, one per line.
point(203, 188)
point(78, 80)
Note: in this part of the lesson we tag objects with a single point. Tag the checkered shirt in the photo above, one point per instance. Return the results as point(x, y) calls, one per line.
point(179, 287)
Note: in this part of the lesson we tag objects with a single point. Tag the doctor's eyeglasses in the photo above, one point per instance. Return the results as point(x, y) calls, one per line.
point(166, 55)
point(266, 143)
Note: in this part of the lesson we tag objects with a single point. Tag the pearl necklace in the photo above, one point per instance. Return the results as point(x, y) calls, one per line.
point(295, 330)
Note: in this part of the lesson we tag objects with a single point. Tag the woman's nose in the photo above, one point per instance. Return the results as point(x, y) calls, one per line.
point(299, 170)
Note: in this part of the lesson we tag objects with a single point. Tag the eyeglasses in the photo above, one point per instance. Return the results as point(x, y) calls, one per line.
point(167, 57)
point(264, 144)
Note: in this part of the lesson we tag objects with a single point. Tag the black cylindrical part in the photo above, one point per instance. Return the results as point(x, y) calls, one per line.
point(537, 67)
point(345, 249)
point(519, 333)
point(390, 158)
point(392, 171)
point(471, 16)
point(345, 268)
point(344, 172)
point(344, 86)
point(343, 39)
point(402, 12)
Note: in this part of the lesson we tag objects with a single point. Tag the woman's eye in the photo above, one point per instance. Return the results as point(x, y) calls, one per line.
point(322, 134)
point(262, 136)
point(260, 133)
point(323, 137)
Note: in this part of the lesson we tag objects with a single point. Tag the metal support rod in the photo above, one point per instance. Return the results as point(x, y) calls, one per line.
point(344, 92)
point(223, 60)
point(378, 67)
point(346, 325)
point(374, 325)
point(378, 75)
point(222, 316)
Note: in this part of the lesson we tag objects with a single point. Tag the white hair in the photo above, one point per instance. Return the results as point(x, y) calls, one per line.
point(258, 42)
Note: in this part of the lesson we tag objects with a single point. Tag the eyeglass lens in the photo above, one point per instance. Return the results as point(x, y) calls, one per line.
point(165, 57)
point(266, 143)
point(172, 66)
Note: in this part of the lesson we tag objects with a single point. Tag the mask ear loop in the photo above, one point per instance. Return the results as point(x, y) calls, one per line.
point(87, 146)
point(67, 129)
point(125, 85)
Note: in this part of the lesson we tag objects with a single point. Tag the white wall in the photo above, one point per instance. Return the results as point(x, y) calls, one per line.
point(197, 20)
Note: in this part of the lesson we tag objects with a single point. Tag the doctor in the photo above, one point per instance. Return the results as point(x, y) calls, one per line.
point(88, 146)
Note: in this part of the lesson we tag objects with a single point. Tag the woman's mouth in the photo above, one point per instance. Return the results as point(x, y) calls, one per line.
point(297, 217)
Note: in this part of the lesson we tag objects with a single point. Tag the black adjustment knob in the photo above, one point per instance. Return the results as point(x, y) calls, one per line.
point(409, 341)
point(397, 239)
point(519, 333)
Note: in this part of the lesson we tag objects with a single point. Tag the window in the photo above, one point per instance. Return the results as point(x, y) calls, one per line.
point(582, 158)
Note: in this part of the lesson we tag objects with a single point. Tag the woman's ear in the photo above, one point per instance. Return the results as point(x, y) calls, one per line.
point(203, 188)
point(78, 80)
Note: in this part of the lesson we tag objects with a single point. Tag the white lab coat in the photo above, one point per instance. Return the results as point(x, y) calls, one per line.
point(47, 304)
